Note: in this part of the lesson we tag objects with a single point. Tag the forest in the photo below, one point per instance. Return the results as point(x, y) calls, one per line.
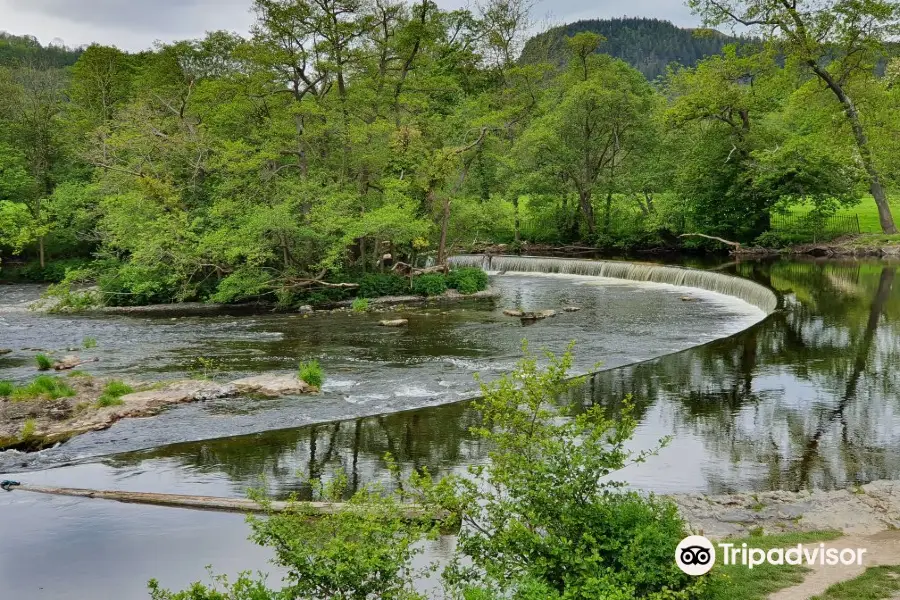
point(284, 162)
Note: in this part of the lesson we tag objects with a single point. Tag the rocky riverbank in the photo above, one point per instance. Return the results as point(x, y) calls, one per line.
point(862, 510)
point(39, 422)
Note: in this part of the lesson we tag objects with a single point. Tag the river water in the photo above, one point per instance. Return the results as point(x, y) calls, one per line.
point(808, 397)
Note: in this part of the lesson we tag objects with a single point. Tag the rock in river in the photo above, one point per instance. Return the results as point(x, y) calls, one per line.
point(513, 313)
point(273, 385)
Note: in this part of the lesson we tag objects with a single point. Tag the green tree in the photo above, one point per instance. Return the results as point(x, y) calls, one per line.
point(594, 118)
point(836, 40)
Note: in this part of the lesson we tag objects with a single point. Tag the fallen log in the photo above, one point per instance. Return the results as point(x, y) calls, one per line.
point(736, 245)
point(411, 512)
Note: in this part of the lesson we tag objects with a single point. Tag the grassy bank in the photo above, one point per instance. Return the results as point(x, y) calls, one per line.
point(737, 582)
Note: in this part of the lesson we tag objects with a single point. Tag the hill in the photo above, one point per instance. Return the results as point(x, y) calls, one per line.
point(649, 45)
point(18, 49)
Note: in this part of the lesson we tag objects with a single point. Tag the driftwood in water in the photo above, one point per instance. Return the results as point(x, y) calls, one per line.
point(411, 512)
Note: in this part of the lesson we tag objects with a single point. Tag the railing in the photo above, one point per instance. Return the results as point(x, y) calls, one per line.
point(817, 227)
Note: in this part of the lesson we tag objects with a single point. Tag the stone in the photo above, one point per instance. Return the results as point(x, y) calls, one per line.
point(178, 392)
point(4, 351)
point(394, 323)
point(306, 308)
point(572, 308)
point(538, 315)
point(688, 299)
point(70, 362)
point(513, 313)
point(272, 385)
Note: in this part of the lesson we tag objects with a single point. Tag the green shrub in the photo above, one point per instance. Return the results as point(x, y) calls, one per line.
point(44, 386)
point(117, 388)
point(80, 375)
point(432, 284)
point(467, 280)
point(44, 363)
point(107, 400)
point(360, 305)
point(54, 272)
point(6, 388)
point(311, 373)
point(585, 536)
point(28, 430)
point(89, 343)
point(375, 285)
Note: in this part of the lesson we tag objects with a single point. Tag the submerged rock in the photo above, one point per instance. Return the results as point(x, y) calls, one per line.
point(273, 385)
point(5, 351)
point(513, 313)
point(571, 308)
point(394, 323)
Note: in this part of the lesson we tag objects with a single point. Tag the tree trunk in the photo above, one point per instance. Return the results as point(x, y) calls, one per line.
point(584, 199)
point(445, 224)
point(517, 222)
point(862, 143)
point(606, 215)
point(41, 245)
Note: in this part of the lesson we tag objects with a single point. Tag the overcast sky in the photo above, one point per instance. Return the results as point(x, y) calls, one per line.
point(137, 24)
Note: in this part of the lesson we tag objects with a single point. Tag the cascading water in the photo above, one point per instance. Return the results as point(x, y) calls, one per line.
point(744, 289)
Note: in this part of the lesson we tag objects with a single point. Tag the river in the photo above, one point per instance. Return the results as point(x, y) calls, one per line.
point(806, 397)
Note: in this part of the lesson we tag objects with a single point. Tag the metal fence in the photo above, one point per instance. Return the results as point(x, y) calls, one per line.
point(817, 227)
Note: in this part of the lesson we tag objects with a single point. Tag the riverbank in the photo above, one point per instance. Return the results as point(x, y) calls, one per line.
point(861, 510)
point(58, 409)
point(449, 296)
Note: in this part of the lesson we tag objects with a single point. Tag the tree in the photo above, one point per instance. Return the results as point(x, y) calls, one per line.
point(592, 121)
point(31, 100)
point(101, 82)
point(836, 40)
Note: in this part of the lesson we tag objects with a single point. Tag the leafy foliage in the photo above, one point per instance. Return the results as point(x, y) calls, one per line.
point(311, 372)
point(375, 285)
point(542, 518)
point(432, 284)
point(467, 280)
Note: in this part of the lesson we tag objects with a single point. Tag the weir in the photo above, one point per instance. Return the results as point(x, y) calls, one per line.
point(746, 290)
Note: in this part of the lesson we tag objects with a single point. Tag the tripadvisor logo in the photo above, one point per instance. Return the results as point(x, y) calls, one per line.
point(696, 555)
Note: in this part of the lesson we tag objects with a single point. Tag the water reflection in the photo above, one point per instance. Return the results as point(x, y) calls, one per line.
point(807, 398)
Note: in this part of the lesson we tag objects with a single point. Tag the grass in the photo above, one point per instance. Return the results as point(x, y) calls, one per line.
point(737, 582)
point(28, 430)
point(80, 375)
point(875, 583)
point(311, 373)
point(866, 210)
point(360, 305)
point(44, 363)
point(43, 387)
point(89, 343)
point(6, 388)
point(112, 394)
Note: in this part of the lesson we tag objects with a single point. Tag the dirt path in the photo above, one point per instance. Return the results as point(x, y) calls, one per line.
point(881, 549)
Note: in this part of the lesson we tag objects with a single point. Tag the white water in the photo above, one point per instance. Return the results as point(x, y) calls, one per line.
point(744, 289)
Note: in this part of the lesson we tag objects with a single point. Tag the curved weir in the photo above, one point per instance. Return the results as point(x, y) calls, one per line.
point(730, 285)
